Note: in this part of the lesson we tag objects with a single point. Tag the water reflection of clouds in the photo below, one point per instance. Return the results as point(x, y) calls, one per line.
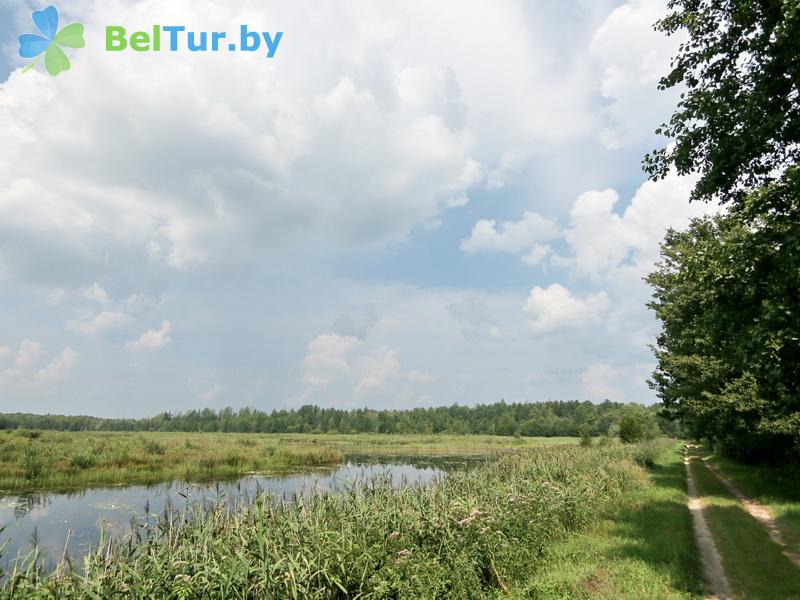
point(73, 520)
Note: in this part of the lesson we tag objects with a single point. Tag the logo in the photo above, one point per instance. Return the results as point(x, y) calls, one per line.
point(50, 42)
point(178, 37)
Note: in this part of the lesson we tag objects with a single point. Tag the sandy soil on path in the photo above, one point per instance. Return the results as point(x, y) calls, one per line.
point(715, 576)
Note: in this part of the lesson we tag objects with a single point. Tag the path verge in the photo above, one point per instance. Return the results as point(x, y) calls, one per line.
point(714, 573)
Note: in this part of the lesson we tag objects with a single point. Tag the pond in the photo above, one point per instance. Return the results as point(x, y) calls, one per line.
point(71, 522)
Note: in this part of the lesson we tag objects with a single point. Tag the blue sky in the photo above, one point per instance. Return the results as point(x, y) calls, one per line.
point(407, 206)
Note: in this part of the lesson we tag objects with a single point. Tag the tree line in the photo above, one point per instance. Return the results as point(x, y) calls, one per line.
point(551, 418)
point(727, 290)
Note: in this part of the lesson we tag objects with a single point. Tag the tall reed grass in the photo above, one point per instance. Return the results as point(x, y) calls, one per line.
point(36, 460)
point(472, 535)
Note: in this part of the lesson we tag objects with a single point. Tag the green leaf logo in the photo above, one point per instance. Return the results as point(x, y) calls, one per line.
point(32, 45)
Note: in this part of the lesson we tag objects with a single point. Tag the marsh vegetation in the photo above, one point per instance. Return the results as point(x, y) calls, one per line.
point(477, 533)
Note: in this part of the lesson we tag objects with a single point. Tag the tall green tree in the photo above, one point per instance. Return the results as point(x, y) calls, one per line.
point(738, 121)
point(727, 290)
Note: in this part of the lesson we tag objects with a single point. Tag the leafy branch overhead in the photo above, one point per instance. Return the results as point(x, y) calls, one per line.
point(738, 120)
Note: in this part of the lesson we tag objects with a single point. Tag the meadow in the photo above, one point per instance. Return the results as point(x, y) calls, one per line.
point(481, 532)
point(32, 459)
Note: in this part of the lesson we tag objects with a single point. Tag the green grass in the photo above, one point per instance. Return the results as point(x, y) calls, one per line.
point(775, 487)
point(754, 564)
point(641, 547)
point(32, 460)
point(476, 534)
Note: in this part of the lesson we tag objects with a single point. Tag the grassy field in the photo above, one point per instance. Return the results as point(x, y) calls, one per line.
point(642, 546)
point(480, 533)
point(60, 460)
point(775, 487)
point(754, 564)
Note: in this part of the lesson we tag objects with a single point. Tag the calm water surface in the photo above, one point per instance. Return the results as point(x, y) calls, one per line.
point(71, 522)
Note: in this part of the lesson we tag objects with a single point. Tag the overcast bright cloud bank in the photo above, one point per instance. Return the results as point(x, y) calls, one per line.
point(409, 205)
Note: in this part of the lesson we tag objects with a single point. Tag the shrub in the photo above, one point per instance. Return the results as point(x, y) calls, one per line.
point(32, 463)
point(586, 436)
point(233, 459)
point(648, 453)
point(631, 429)
point(82, 459)
point(153, 447)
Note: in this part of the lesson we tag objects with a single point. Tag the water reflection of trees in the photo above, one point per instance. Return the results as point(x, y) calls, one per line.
point(25, 504)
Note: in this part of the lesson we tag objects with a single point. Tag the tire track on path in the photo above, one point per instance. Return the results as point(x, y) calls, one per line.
point(713, 571)
point(758, 511)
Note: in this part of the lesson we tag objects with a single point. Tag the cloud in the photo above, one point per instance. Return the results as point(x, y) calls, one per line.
point(325, 359)
point(92, 325)
point(604, 243)
point(97, 293)
point(420, 377)
point(634, 57)
point(511, 236)
point(475, 318)
point(538, 254)
point(59, 366)
point(152, 339)
point(210, 395)
point(380, 370)
point(28, 357)
point(599, 383)
point(356, 322)
point(554, 309)
point(352, 136)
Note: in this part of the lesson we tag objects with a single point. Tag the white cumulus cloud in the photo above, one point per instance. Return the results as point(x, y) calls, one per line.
point(59, 366)
point(511, 236)
point(94, 324)
point(554, 308)
point(152, 339)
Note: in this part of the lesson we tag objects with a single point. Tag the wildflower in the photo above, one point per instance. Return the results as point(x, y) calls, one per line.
point(469, 518)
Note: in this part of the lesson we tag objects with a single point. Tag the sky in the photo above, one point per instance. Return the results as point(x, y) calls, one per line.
point(409, 204)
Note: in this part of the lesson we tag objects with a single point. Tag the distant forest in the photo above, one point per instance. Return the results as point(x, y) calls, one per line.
point(528, 419)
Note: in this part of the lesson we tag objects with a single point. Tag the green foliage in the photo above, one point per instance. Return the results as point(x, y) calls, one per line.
point(32, 463)
point(737, 123)
point(28, 433)
point(534, 419)
point(726, 291)
point(472, 535)
point(631, 429)
point(153, 447)
point(586, 436)
point(82, 459)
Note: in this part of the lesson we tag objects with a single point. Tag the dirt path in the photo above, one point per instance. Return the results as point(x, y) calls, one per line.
point(709, 556)
point(758, 511)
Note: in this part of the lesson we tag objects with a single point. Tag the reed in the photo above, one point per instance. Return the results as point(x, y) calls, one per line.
point(473, 534)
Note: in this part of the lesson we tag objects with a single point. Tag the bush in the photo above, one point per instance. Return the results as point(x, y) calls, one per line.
point(32, 464)
point(232, 459)
point(631, 429)
point(82, 459)
point(153, 447)
point(586, 436)
point(648, 453)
